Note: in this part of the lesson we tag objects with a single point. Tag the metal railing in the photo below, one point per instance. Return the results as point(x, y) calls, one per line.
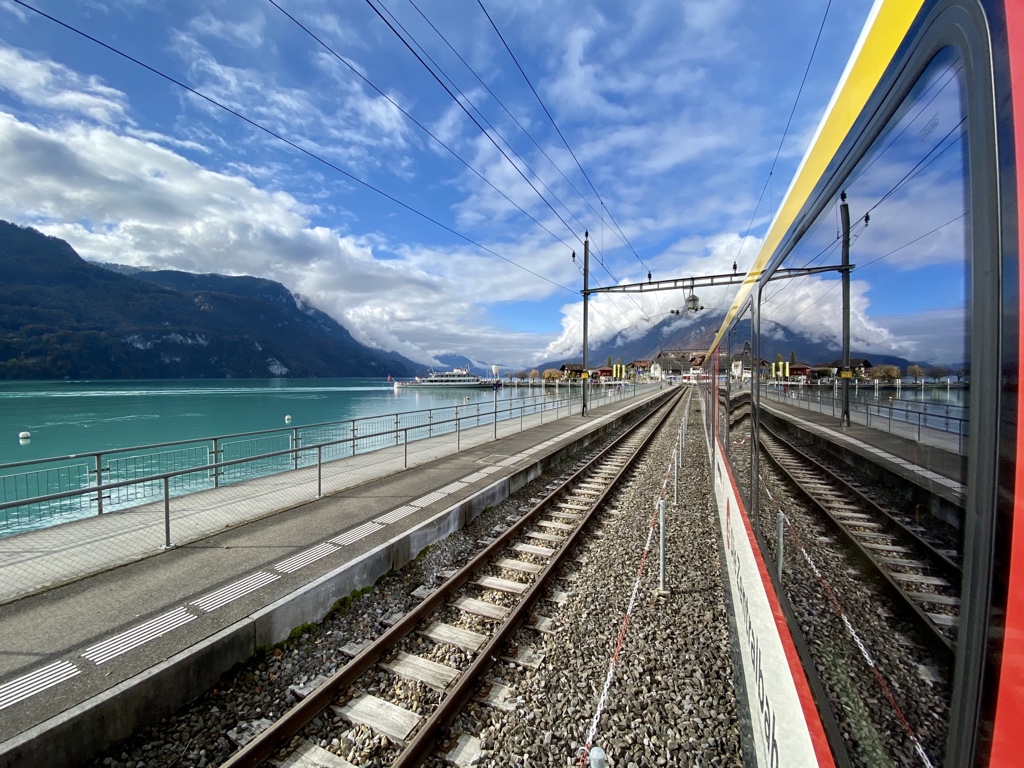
point(945, 426)
point(65, 488)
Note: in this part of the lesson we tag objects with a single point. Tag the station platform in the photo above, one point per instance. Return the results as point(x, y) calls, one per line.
point(86, 663)
point(934, 466)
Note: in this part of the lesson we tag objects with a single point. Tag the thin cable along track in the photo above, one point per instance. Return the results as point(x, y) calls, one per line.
point(923, 577)
point(494, 594)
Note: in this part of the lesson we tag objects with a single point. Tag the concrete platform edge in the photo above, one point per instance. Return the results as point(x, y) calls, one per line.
point(78, 734)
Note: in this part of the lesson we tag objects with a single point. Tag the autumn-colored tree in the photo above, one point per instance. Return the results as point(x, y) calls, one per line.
point(916, 371)
point(534, 374)
point(884, 372)
point(551, 374)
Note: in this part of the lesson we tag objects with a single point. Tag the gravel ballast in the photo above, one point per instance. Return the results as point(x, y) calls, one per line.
point(671, 700)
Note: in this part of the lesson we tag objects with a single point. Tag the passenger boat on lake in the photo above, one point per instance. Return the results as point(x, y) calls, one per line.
point(459, 378)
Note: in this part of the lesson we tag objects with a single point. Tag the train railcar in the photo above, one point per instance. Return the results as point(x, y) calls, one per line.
point(918, 152)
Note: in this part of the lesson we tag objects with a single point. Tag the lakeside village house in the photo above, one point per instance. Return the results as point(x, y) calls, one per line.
point(680, 365)
point(684, 366)
point(739, 367)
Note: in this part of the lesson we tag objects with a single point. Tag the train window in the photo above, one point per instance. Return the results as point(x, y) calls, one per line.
point(881, 639)
point(738, 371)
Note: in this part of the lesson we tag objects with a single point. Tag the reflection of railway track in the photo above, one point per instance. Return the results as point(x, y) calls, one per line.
point(924, 577)
point(404, 689)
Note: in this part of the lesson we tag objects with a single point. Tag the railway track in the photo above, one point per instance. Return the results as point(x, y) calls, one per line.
point(441, 651)
point(922, 575)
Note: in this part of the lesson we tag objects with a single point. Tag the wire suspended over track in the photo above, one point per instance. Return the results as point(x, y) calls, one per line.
point(290, 143)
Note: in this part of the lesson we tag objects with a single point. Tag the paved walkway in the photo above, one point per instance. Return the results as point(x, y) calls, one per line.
point(939, 469)
point(93, 638)
point(49, 557)
point(880, 421)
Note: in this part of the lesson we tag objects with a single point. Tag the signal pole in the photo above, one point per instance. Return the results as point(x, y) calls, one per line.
point(846, 373)
point(586, 298)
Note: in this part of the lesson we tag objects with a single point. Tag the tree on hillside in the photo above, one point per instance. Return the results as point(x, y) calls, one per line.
point(916, 371)
point(792, 358)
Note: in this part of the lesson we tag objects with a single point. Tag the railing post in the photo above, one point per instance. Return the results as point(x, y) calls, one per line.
point(167, 513)
point(319, 471)
point(295, 448)
point(99, 483)
point(396, 429)
point(216, 462)
point(458, 433)
point(405, 451)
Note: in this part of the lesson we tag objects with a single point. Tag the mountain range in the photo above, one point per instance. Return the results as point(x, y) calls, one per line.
point(672, 336)
point(63, 317)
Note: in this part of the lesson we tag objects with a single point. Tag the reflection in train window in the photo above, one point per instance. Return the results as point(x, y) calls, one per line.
point(885, 660)
point(736, 372)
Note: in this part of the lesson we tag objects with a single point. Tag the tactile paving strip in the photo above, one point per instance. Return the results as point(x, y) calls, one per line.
point(396, 514)
point(458, 485)
point(225, 595)
point(137, 636)
point(430, 498)
point(35, 682)
point(350, 537)
point(303, 559)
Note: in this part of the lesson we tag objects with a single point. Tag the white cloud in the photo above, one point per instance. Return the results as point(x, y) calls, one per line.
point(49, 85)
point(248, 33)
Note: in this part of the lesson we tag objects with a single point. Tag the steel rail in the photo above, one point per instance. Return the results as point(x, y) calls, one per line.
point(952, 568)
point(931, 630)
point(463, 689)
point(267, 742)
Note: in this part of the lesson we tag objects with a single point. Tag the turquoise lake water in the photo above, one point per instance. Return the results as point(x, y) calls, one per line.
point(70, 417)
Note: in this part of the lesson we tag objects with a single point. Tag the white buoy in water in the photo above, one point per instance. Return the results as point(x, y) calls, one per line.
point(287, 419)
point(24, 436)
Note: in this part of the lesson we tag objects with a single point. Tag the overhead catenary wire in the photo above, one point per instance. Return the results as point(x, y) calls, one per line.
point(921, 107)
point(929, 157)
point(416, 122)
point(468, 113)
point(512, 116)
point(593, 308)
point(464, 97)
point(506, 109)
point(785, 132)
point(891, 138)
point(559, 131)
point(290, 143)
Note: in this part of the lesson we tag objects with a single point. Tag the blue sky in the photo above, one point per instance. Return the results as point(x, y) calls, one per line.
point(674, 110)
